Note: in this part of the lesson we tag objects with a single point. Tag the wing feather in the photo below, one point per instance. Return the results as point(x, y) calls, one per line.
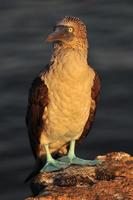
point(95, 91)
point(38, 99)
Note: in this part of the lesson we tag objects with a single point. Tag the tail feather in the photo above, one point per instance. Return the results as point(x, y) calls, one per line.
point(38, 165)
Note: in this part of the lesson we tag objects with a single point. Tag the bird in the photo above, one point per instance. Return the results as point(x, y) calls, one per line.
point(63, 98)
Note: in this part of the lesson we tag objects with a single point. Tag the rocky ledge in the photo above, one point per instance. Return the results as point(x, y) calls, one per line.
point(111, 180)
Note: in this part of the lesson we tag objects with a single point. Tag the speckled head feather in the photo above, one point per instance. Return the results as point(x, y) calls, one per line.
point(77, 24)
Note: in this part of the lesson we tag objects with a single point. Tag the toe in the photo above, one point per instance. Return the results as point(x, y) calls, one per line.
point(78, 161)
point(55, 166)
point(64, 159)
point(49, 167)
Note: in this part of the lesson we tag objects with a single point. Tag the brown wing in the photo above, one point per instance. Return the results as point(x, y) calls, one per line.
point(95, 96)
point(38, 99)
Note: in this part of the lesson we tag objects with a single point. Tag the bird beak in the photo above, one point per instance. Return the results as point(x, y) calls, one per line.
point(57, 35)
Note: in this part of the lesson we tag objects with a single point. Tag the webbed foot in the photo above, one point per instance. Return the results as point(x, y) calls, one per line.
point(78, 161)
point(54, 165)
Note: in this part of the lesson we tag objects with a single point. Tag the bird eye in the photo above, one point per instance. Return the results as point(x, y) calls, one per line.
point(70, 29)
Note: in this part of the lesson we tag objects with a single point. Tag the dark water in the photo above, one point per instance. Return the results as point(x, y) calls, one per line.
point(24, 24)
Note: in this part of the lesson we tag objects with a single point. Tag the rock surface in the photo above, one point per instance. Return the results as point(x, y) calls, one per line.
point(111, 180)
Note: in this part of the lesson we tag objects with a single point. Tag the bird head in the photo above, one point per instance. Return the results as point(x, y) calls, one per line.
point(70, 32)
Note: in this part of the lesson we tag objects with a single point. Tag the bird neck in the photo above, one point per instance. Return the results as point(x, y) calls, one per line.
point(79, 46)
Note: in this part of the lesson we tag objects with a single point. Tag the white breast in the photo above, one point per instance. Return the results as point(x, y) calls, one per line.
point(69, 83)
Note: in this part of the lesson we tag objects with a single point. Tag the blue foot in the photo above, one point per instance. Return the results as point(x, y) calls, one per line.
point(65, 159)
point(78, 161)
point(54, 165)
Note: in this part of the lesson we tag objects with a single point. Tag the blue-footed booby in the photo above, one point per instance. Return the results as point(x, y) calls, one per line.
point(63, 98)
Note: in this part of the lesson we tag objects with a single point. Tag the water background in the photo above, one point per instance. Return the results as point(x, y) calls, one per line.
point(24, 26)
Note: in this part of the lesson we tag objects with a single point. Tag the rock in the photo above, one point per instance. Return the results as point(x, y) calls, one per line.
point(111, 180)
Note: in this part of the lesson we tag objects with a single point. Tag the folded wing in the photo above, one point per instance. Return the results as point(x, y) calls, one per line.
point(95, 91)
point(38, 99)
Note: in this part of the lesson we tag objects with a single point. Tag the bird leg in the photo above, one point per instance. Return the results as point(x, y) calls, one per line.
point(51, 163)
point(73, 159)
